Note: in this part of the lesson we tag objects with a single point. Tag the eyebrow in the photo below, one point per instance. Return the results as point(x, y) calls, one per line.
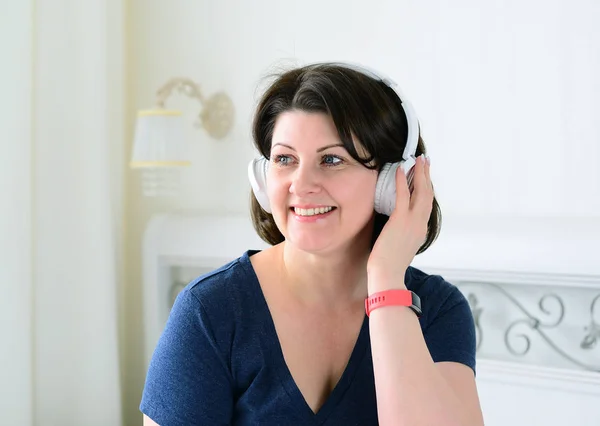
point(323, 148)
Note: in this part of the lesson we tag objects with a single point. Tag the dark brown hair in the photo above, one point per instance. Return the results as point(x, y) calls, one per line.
point(359, 105)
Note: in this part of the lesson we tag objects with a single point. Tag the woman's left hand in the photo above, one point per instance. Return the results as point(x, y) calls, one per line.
point(404, 232)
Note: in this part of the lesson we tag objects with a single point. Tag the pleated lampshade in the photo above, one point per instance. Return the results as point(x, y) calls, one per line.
point(159, 150)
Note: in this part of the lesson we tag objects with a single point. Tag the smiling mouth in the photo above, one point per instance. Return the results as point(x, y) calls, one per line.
point(312, 212)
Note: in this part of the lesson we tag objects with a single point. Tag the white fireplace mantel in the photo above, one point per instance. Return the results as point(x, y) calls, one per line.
point(544, 245)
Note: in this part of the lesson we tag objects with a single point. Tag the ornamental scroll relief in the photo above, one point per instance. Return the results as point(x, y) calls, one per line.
point(551, 326)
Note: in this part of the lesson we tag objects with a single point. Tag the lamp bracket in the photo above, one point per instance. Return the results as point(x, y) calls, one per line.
point(216, 116)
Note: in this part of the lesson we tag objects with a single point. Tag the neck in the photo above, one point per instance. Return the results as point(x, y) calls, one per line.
point(338, 278)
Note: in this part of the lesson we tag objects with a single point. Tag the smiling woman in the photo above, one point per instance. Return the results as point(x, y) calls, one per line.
point(331, 325)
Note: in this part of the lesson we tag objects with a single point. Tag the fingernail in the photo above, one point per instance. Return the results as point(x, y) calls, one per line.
point(428, 160)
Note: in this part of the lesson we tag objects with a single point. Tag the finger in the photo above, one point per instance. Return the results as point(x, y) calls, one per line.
point(421, 191)
point(402, 191)
point(423, 198)
point(429, 185)
point(428, 172)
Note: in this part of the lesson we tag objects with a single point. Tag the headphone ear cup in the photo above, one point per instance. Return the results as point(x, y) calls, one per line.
point(385, 191)
point(257, 175)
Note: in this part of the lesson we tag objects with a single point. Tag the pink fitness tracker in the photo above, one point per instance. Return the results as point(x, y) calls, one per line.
point(393, 298)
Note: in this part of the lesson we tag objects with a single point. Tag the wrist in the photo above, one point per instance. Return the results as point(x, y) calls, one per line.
point(377, 283)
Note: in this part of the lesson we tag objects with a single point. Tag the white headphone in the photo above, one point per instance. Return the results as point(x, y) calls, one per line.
point(385, 191)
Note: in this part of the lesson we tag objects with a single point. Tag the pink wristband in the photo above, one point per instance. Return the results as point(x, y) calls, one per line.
point(393, 298)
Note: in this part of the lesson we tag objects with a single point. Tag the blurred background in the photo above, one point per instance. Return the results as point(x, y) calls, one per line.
point(507, 96)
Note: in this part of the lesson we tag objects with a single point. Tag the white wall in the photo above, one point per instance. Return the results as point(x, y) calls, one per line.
point(15, 221)
point(506, 93)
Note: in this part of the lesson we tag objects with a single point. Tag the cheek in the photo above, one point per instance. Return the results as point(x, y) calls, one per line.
point(276, 187)
point(277, 191)
point(356, 197)
point(361, 192)
point(362, 202)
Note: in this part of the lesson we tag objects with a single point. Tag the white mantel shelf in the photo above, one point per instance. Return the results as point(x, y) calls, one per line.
point(566, 246)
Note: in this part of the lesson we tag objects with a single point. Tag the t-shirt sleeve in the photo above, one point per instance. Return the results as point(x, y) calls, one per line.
point(450, 335)
point(188, 381)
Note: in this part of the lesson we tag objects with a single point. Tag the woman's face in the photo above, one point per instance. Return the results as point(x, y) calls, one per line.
point(321, 198)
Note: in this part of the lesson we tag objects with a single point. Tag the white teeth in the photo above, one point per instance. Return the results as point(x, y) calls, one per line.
point(312, 212)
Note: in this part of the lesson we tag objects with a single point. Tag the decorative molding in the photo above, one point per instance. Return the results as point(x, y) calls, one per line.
point(534, 320)
point(593, 336)
point(536, 323)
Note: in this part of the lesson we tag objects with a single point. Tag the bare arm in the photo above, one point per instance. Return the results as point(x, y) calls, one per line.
point(411, 389)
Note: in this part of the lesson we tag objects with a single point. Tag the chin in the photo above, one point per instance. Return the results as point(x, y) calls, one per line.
point(311, 243)
point(321, 244)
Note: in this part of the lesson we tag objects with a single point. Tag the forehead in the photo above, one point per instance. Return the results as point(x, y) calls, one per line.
point(304, 128)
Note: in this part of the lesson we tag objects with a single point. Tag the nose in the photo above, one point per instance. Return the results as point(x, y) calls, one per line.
point(305, 181)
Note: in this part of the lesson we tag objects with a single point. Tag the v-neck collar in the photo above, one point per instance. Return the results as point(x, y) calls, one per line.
point(272, 346)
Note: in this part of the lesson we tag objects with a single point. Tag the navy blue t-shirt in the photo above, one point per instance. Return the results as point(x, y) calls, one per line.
point(219, 361)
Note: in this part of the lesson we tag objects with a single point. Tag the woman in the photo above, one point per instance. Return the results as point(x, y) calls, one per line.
point(281, 336)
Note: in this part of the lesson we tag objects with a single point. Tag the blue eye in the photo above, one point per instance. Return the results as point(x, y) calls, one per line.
point(332, 160)
point(283, 160)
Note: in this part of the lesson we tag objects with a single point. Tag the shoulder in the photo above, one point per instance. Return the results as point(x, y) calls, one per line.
point(220, 298)
point(223, 285)
point(437, 295)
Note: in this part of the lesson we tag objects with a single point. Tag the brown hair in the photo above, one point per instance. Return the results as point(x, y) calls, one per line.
point(360, 106)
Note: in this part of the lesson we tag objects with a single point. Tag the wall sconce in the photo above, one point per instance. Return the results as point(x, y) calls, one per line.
point(159, 147)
